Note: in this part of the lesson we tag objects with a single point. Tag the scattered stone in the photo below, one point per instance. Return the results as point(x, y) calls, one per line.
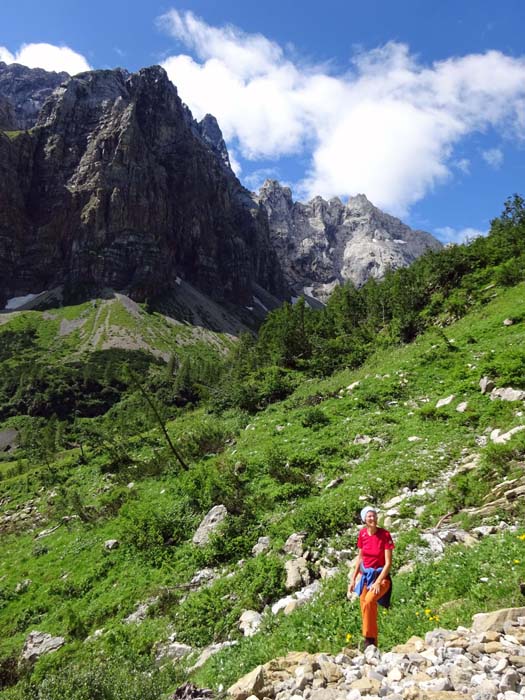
point(210, 524)
point(414, 438)
point(446, 401)
point(22, 586)
point(111, 544)
point(435, 544)
point(47, 532)
point(295, 544)
point(362, 440)
point(501, 438)
point(297, 573)
point(262, 546)
point(335, 482)
point(202, 576)
point(507, 394)
point(462, 407)
point(486, 385)
point(482, 622)
point(39, 643)
point(141, 612)
point(508, 322)
point(188, 691)
point(249, 622)
point(171, 651)
point(210, 651)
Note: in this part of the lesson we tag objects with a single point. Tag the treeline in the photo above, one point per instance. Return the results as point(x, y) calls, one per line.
point(439, 287)
point(294, 342)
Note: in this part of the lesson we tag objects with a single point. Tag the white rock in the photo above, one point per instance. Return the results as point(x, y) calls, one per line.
point(486, 385)
point(249, 622)
point(211, 522)
point(263, 545)
point(445, 401)
point(362, 440)
point(297, 573)
point(172, 650)
point(507, 394)
point(434, 543)
point(295, 544)
point(209, 651)
point(39, 643)
point(111, 544)
point(462, 407)
point(501, 438)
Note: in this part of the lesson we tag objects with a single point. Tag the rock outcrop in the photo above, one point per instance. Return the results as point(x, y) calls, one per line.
point(321, 244)
point(116, 186)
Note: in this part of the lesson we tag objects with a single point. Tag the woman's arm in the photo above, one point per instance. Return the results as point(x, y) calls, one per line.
point(357, 569)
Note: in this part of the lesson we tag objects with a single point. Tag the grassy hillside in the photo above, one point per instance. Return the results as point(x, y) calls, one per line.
point(120, 424)
point(116, 477)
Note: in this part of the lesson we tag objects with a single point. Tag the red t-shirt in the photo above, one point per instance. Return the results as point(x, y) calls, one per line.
point(373, 547)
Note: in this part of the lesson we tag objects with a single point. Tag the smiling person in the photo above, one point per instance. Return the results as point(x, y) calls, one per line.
point(374, 586)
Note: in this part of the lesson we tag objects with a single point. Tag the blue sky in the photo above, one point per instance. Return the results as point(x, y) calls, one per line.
point(419, 104)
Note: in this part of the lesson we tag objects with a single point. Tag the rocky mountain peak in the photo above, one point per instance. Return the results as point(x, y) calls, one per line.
point(212, 134)
point(118, 188)
point(26, 90)
point(324, 243)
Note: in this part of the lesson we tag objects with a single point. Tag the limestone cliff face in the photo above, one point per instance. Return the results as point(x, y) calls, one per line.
point(117, 186)
point(321, 244)
point(26, 90)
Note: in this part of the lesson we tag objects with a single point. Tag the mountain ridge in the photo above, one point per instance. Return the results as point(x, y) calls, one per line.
point(325, 243)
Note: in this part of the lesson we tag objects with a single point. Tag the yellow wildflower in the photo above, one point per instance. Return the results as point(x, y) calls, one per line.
point(348, 637)
point(521, 537)
point(427, 611)
point(516, 561)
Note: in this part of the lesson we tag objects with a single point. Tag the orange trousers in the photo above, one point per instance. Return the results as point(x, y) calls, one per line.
point(368, 601)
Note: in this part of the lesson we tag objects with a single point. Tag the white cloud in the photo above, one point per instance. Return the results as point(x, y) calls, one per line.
point(387, 128)
point(5, 55)
point(48, 57)
point(494, 157)
point(447, 234)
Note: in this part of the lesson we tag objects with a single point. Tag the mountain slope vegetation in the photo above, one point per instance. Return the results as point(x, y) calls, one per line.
point(291, 432)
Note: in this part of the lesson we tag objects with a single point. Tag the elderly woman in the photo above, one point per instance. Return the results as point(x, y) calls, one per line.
point(373, 568)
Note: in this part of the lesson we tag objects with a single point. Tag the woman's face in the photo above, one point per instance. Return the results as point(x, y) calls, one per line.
point(371, 519)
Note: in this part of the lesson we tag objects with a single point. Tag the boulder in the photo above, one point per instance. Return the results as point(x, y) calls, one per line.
point(446, 401)
point(253, 683)
point(210, 651)
point(507, 394)
point(295, 544)
point(297, 573)
point(171, 651)
point(263, 545)
point(500, 438)
point(39, 643)
point(249, 622)
point(210, 524)
point(486, 385)
point(495, 620)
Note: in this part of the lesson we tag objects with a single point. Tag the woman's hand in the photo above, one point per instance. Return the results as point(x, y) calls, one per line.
point(376, 587)
point(351, 587)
